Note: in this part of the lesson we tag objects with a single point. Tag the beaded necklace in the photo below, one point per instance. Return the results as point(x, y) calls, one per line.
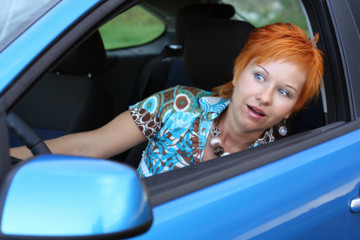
point(219, 150)
point(215, 140)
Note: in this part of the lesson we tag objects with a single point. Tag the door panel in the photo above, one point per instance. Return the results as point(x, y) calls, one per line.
point(302, 196)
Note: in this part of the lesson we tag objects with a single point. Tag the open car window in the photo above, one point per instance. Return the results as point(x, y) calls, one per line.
point(115, 76)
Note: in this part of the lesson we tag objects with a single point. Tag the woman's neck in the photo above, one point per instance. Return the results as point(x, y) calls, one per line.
point(234, 138)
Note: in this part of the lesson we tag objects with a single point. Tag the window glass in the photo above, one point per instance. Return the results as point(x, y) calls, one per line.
point(133, 27)
point(17, 15)
point(263, 12)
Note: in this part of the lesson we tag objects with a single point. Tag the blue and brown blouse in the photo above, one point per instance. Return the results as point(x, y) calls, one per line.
point(177, 122)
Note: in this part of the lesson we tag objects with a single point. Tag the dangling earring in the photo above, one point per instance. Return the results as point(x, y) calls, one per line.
point(283, 130)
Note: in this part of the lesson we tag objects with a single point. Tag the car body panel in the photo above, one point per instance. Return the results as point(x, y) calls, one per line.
point(41, 34)
point(306, 193)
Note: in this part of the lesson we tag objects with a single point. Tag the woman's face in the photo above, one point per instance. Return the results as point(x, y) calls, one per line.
point(265, 94)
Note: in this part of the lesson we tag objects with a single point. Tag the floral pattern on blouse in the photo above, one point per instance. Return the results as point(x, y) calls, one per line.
point(176, 122)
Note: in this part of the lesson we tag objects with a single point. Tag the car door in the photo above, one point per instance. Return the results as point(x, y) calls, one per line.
point(301, 188)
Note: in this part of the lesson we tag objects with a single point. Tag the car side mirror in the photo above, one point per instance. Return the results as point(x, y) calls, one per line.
point(73, 197)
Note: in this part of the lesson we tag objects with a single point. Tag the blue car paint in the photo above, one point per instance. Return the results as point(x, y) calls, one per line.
point(25, 48)
point(296, 197)
point(71, 196)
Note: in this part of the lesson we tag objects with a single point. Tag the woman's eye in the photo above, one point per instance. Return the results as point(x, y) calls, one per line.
point(259, 77)
point(283, 92)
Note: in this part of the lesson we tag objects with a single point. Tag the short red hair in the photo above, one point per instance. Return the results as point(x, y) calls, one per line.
point(281, 41)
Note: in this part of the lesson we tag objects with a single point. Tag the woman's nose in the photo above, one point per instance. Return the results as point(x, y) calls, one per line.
point(265, 96)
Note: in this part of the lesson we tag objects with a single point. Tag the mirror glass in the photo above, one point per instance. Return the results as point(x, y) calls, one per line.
point(73, 196)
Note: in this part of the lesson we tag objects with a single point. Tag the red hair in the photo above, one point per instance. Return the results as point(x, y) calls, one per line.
point(281, 41)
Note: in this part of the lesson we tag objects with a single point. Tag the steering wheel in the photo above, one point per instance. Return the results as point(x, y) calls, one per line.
point(27, 135)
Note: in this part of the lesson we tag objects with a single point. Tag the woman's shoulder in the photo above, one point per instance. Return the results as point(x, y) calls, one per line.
point(178, 97)
point(192, 92)
point(175, 99)
point(187, 98)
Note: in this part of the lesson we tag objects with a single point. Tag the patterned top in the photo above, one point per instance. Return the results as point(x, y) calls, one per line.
point(176, 122)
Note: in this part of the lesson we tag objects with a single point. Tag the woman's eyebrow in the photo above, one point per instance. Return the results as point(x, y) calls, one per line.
point(264, 69)
point(291, 87)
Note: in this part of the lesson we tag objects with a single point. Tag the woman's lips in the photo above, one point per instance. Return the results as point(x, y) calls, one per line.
point(255, 112)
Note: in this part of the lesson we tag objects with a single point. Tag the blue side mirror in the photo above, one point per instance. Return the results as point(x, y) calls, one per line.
point(65, 196)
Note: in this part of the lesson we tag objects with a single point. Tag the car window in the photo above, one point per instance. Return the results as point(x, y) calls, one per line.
point(270, 12)
point(17, 15)
point(134, 27)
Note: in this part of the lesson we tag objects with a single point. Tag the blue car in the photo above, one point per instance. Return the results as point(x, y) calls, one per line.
point(66, 66)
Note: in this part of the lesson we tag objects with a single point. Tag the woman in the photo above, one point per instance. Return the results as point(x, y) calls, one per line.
point(278, 71)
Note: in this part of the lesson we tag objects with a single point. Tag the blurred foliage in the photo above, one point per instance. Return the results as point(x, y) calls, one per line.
point(134, 27)
point(263, 12)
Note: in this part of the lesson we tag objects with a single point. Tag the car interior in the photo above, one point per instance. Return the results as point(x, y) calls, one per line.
point(91, 85)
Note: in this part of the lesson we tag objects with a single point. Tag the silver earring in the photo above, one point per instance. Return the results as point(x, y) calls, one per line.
point(283, 129)
point(268, 137)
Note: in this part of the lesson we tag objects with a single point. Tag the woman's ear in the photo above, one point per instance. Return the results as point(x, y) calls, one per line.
point(286, 117)
point(234, 81)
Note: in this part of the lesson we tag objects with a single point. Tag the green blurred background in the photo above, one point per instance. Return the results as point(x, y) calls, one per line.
point(135, 27)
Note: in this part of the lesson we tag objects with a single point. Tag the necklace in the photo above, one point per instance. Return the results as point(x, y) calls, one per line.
point(215, 141)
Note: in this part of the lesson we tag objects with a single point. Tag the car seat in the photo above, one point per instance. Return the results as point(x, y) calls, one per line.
point(167, 70)
point(69, 99)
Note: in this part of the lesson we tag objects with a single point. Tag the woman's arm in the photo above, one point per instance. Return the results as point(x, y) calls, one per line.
point(115, 137)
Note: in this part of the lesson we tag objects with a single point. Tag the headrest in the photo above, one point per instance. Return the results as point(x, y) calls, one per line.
point(211, 47)
point(196, 12)
point(88, 58)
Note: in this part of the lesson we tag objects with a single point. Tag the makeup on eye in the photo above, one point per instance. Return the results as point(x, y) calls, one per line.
point(261, 74)
point(259, 77)
point(287, 91)
point(284, 92)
